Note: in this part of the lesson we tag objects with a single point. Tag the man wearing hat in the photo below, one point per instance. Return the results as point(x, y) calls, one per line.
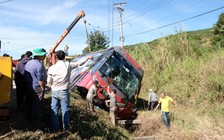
point(36, 78)
point(153, 100)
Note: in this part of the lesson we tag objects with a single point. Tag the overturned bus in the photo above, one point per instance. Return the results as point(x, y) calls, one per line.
point(116, 64)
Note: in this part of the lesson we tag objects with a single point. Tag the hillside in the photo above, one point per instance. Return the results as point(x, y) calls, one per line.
point(186, 66)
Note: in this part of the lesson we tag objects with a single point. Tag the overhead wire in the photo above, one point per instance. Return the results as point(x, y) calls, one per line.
point(140, 12)
point(1, 2)
point(78, 35)
point(176, 22)
point(193, 4)
point(154, 7)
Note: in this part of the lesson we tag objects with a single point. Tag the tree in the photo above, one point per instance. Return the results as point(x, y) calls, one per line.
point(218, 31)
point(97, 41)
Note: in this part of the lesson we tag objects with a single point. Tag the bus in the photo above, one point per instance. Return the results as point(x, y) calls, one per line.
point(113, 67)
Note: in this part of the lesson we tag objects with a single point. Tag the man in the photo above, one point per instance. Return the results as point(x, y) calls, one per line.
point(165, 107)
point(58, 78)
point(20, 80)
point(5, 55)
point(90, 95)
point(36, 77)
point(113, 105)
point(153, 100)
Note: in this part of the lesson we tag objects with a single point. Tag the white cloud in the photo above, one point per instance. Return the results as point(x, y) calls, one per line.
point(16, 41)
point(40, 13)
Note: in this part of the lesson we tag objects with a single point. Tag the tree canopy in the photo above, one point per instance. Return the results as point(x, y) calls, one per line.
point(97, 41)
point(218, 30)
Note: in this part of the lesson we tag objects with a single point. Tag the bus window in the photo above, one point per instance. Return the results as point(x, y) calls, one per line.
point(123, 75)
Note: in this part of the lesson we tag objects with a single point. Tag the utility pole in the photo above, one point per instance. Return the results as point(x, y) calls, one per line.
point(87, 36)
point(120, 9)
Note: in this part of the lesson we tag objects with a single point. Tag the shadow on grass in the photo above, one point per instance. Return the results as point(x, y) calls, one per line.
point(18, 120)
point(142, 104)
point(88, 126)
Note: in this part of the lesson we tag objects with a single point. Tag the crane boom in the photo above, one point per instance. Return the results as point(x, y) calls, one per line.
point(65, 33)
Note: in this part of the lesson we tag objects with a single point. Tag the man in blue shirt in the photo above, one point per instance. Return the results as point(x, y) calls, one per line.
point(20, 80)
point(36, 78)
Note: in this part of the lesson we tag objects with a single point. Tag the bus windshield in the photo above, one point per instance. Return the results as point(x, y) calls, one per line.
point(124, 76)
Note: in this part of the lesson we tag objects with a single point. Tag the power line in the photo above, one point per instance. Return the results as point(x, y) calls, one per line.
point(147, 30)
point(140, 12)
point(82, 34)
point(176, 22)
point(146, 11)
point(193, 4)
point(5, 1)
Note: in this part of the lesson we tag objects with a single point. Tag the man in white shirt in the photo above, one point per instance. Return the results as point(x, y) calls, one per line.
point(58, 79)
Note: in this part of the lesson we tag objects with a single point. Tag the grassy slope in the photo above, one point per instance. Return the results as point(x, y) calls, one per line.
point(84, 125)
point(188, 68)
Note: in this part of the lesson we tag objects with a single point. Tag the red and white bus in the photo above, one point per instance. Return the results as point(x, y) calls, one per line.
point(116, 64)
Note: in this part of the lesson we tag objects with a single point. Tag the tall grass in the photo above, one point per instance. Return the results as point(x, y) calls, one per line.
point(188, 68)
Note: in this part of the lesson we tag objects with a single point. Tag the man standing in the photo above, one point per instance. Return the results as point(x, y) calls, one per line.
point(36, 77)
point(153, 100)
point(58, 78)
point(113, 105)
point(91, 93)
point(20, 80)
point(165, 107)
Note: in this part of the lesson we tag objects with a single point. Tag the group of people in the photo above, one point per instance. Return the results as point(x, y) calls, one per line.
point(111, 103)
point(164, 101)
point(32, 79)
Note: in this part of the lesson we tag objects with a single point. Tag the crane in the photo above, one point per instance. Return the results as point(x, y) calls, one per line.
point(65, 33)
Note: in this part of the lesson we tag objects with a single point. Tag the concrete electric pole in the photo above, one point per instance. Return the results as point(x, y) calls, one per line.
point(120, 9)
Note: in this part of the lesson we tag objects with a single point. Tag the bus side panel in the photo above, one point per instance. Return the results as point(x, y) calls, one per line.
point(86, 81)
point(6, 80)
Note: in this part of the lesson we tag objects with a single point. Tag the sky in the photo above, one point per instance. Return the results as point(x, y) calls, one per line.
point(29, 24)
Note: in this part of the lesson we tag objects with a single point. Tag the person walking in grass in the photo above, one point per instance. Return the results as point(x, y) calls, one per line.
point(165, 107)
point(153, 100)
